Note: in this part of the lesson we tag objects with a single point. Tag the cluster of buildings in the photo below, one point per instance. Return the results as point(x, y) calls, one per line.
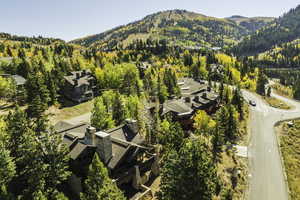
point(123, 150)
point(195, 95)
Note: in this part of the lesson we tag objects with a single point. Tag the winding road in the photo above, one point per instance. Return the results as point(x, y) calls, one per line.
point(267, 177)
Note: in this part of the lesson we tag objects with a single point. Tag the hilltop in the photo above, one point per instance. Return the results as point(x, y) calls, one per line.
point(177, 27)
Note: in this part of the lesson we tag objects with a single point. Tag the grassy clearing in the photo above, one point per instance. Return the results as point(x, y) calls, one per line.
point(69, 112)
point(276, 103)
point(290, 149)
point(282, 90)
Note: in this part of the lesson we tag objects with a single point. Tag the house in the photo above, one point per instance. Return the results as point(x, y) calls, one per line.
point(121, 149)
point(79, 86)
point(198, 95)
point(195, 95)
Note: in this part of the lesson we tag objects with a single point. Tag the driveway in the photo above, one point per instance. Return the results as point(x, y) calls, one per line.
point(267, 179)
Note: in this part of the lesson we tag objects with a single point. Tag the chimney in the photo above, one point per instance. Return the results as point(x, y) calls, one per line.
point(104, 146)
point(196, 99)
point(77, 75)
point(188, 99)
point(90, 135)
point(132, 125)
point(75, 82)
point(83, 73)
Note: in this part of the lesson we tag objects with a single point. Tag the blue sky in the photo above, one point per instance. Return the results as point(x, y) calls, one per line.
point(70, 19)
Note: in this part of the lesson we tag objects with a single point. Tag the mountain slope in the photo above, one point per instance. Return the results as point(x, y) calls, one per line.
point(178, 27)
point(283, 29)
point(252, 24)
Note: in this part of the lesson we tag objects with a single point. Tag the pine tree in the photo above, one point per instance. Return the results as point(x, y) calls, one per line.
point(98, 185)
point(232, 124)
point(189, 174)
point(261, 83)
point(238, 101)
point(118, 108)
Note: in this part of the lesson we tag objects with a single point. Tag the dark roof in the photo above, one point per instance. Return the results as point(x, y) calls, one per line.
point(78, 149)
point(177, 106)
point(189, 86)
point(77, 130)
point(84, 79)
point(123, 141)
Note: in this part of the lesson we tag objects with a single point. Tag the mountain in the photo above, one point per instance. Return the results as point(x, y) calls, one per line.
point(35, 40)
point(252, 24)
point(177, 27)
point(282, 30)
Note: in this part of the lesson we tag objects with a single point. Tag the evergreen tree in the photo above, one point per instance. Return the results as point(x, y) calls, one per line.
point(238, 101)
point(118, 108)
point(171, 134)
point(189, 174)
point(98, 185)
point(296, 89)
point(261, 83)
point(232, 123)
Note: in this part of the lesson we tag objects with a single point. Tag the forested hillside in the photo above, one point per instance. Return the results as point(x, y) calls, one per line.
point(252, 24)
point(177, 27)
point(286, 55)
point(35, 40)
point(284, 29)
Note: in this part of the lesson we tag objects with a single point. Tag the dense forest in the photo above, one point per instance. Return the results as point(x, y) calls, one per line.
point(282, 56)
point(282, 30)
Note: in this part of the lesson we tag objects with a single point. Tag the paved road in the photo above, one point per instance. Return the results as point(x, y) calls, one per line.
point(267, 180)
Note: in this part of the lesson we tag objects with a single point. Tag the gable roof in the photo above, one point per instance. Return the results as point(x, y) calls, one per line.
point(124, 140)
point(189, 86)
point(177, 106)
point(84, 77)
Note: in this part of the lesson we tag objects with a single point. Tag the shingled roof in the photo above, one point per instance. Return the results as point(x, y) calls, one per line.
point(177, 106)
point(83, 79)
point(124, 140)
point(189, 86)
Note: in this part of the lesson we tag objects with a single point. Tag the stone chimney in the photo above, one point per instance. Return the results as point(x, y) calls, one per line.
point(77, 75)
point(188, 99)
point(132, 125)
point(83, 73)
point(196, 99)
point(104, 146)
point(90, 135)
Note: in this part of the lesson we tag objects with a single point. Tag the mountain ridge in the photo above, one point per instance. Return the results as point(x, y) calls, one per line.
point(176, 26)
